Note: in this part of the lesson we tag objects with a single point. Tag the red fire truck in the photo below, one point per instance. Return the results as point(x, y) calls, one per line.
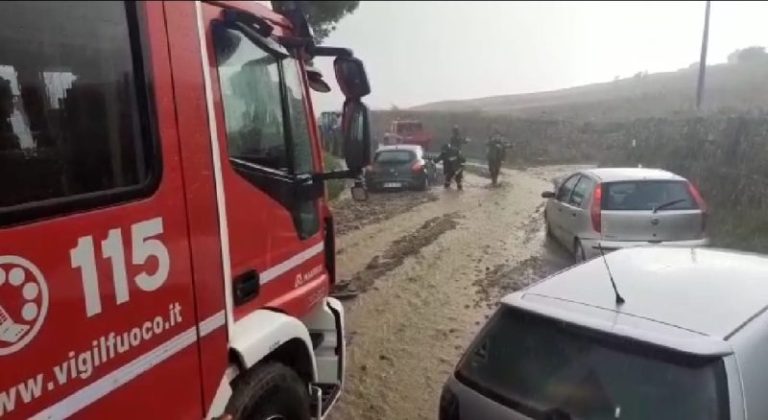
point(408, 132)
point(166, 248)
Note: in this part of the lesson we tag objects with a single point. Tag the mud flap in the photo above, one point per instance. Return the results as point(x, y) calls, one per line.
point(326, 327)
point(316, 397)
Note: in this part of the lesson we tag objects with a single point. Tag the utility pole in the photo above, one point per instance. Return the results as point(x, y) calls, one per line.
point(703, 59)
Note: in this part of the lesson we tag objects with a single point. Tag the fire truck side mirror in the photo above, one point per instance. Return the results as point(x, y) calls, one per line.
point(351, 76)
point(356, 132)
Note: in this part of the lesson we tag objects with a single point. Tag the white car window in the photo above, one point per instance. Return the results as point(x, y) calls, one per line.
point(564, 193)
point(581, 191)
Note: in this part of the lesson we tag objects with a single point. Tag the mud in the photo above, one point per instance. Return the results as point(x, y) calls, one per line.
point(407, 245)
point(352, 215)
point(503, 279)
point(428, 277)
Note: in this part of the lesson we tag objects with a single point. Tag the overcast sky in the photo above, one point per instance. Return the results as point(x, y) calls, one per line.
point(419, 52)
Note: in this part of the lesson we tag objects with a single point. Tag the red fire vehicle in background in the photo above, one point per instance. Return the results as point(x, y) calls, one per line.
point(166, 248)
point(408, 132)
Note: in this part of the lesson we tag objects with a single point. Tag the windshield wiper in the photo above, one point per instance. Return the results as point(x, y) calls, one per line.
point(668, 204)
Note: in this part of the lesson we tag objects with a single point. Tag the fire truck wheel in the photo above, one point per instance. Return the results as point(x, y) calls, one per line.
point(271, 391)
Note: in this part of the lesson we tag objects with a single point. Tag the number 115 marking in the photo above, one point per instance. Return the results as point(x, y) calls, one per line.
point(144, 246)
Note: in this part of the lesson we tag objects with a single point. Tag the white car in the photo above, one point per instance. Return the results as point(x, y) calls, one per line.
point(688, 342)
point(613, 208)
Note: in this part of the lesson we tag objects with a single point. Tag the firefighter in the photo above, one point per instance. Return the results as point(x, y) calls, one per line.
point(453, 165)
point(496, 154)
point(457, 140)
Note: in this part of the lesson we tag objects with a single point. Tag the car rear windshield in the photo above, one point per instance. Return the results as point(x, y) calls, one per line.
point(648, 195)
point(549, 369)
point(395, 156)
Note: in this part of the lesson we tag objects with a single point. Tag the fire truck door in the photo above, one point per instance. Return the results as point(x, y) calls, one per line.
point(267, 158)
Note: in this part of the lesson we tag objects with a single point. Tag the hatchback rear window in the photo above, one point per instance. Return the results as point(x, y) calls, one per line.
point(395, 156)
point(648, 195)
point(543, 368)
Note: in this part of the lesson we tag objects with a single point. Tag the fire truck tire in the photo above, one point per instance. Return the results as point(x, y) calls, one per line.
point(270, 391)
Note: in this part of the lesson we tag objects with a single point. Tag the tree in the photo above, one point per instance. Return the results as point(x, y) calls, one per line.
point(323, 15)
point(748, 55)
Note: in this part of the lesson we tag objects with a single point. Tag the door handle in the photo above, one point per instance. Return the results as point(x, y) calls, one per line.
point(573, 214)
point(245, 287)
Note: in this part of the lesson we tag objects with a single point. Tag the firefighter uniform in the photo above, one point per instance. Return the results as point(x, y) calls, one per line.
point(496, 154)
point(453, 165)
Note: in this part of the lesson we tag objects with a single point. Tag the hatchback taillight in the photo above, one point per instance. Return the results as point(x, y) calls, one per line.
point(596, 209)
point(417, 166)
point(697, 197)
point(701, 203)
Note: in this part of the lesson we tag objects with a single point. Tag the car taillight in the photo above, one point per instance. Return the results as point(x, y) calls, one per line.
point(417, 166)
point(697, 197)
point(596, 210)
point(699, 202)
point(370, 168)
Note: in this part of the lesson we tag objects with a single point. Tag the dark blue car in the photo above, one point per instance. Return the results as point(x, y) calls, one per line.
point(399, 167)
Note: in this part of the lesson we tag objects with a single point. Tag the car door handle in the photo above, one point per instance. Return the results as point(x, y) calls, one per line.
point(245, 287)
point(573, 214)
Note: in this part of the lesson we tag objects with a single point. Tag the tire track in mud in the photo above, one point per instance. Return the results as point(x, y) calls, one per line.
point(532, 227)
point(503, 279)
point(407, 245)
point(352, 215)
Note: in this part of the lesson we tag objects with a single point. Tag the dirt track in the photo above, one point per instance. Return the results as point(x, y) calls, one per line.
point(429, 269)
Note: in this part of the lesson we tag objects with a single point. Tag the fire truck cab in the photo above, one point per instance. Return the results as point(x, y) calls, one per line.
point(408, 132)
point(166, 247)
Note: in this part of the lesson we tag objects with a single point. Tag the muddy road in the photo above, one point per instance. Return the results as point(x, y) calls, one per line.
point(421, 273)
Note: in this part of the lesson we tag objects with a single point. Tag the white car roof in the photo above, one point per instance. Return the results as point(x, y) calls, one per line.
point(631, 174)
point(685, 298)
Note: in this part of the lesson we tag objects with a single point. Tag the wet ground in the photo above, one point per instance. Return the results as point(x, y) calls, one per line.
point(421, 273)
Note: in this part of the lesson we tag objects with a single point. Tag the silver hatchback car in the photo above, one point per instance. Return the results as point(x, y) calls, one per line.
point(616, 208)
point(688, 342)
